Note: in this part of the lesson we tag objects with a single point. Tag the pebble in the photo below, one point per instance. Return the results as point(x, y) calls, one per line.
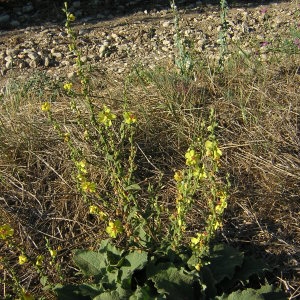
point(47, 61)
point(57, 55)
point(9, 64)
point(135, 42)
point(33, 55)
point(166, 23)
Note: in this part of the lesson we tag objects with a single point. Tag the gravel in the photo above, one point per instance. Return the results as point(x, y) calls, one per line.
point(142, 37)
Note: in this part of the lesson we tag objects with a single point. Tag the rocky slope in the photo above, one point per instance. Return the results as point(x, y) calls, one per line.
point(144, 36)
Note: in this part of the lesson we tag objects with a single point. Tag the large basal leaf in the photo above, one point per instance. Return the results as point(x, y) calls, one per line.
point(248, 294)
point(271, 293)
point(113, 254)
point(133, 261)
point(118, 294)
point(172, 282)
point(69, 292)
point(90, 263)
point(266, 292)
point(142, 293)
point(224, 260)
point(250, 267)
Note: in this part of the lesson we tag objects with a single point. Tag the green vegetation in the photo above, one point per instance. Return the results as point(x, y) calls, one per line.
point(160, 168)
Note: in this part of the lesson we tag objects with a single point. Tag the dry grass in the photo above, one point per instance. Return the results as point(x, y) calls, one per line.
point(257, 106)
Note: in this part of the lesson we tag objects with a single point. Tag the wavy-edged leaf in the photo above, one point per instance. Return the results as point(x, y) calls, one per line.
point(90, 263)
point(172, 282)
point(133, 261)
point(224, 260)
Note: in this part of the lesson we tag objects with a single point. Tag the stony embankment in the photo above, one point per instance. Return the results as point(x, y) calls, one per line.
point(146, 36)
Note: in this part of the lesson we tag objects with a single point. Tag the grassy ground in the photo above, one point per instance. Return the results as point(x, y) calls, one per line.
point(257, 109)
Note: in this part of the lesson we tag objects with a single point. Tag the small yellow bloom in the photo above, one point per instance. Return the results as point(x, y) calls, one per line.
point(6, 231)
point(178, 176)
point(71, 17)
point(200, 173)
point(88, 187)
point(192, 158)
point(198, 267)
point(39, 260)
point(81, 166)
point(22, 259)
point(46, 106)
point(53, 253)
point(114, 228)
point(213, 150)
point(67, 137)
point(105, 116)
point(68, 86)
point(26, 295)
point(129, 118)
point(94, 209)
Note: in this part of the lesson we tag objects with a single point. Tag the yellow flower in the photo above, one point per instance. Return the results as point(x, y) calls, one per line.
point(26, 295)
point(67, 137)
point(53, 253)
point(6, 231)
point(129, 118)
point(198, 267)
point(94, 209)
point(222, 203)
point(68, 86)
point(22, 259)
point(114, 228)
point(200, 173)
point(46, 106)
point(39, 260)
point(81, 166)
point(71, 17)
point(213, 150)
point(178, 176)
point(192, 158)
point(88, 187)
point(105, 116)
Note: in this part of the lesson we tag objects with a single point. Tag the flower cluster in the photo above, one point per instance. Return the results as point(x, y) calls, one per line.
point(46, 106)
point(95, 210)
point(105, 116)
point(129, 118)
point(6, 232)
point(86, 186)
point(114, 228)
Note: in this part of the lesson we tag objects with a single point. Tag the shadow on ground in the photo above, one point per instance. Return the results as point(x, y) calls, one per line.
point(16, 14)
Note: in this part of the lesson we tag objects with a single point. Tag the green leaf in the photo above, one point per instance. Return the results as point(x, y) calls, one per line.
point(70, 292)
point(172, 282)
point(118, 294)
point(271, 293)
point(133, 187)
point(224, 260)
point(142, 293)
point(90, 263)
point(250, 267)
point(44, 280)
point(248, 294)
point(266, 292)
point(133, 261)
point(111, 295)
